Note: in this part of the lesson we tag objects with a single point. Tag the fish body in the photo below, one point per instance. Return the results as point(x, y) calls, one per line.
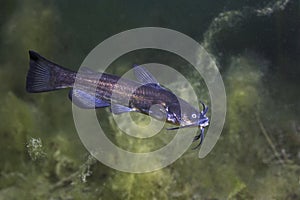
point(90, 89)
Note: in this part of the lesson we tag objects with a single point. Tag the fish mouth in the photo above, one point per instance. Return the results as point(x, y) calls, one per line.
point(203, 125)
point(203, 122)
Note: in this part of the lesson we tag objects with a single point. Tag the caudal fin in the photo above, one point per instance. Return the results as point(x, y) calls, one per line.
point(44, 75)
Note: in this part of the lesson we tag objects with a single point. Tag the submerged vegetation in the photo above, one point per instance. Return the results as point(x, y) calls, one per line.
point(257, 155)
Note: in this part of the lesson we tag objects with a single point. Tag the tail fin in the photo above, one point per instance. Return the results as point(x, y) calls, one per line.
point(45, 75)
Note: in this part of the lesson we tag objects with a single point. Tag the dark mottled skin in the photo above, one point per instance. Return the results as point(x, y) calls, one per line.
point(141, 97)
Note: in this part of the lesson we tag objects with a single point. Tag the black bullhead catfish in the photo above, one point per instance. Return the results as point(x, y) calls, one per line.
point(98, 90)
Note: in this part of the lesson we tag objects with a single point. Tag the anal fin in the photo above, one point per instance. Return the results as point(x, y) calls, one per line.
point(86, 100)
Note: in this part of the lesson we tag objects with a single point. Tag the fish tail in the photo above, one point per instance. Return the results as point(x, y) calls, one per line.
point(44, 75)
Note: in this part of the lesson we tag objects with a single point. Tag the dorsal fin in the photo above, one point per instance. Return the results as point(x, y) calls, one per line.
point(87, 70)
point(144, 76)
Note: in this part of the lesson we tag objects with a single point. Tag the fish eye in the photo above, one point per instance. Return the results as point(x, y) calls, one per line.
point(194, 115)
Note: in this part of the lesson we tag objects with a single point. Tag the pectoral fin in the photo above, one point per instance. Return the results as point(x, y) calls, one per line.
point(86, 100)
point(158, 112)
point(119, 109)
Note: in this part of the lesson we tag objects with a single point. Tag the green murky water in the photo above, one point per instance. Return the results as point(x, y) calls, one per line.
point(256, 45)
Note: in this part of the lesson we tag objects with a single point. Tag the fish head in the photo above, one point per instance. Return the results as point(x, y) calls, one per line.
point(185, 114)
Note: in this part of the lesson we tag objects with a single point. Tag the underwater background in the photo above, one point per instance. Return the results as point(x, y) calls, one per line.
point(256, 45)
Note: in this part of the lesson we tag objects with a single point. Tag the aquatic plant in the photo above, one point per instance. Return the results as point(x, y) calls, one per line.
point(17, 121)
point(35, 148)
point(233, 19)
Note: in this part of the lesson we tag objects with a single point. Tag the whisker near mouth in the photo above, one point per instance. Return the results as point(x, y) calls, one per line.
point(197, 137)
point(179, 127)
